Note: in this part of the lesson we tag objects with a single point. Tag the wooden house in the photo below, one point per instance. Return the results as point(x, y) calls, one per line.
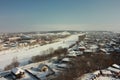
point(18, 73)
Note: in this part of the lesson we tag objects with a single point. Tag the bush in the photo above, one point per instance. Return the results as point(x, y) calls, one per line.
point(13, 64)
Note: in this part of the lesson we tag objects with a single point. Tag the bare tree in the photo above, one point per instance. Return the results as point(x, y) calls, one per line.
point(13, 64)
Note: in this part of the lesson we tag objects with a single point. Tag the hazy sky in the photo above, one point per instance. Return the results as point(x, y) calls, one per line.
point(39, 15)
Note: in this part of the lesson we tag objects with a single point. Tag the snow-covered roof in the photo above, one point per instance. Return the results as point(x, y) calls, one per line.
point(65, 33)
point(74, 55)
point(72, 52)
point(115, 65)
point(82, 47)
point(91, 77)
point(88, 50)
point(113, 69)
point(106, 78)
point(88, 76)
point(14, 38)
point(62, 65)
point(96, 72)
point(81, 34)
point(66, 59)
point(103, 71)
point(41, 65)
point(106, 72)
point(93, 47)
point(103, 50)
point(17, 70)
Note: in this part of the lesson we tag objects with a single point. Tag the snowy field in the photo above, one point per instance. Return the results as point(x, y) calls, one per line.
point(90, 76)
point(24, 54)
point(106, 78)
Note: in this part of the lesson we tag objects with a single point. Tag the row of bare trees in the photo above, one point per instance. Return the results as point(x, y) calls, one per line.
point(52, 53)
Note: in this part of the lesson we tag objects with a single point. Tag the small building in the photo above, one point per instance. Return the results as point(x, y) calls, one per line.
point(43, 68)
point(94, 48)
point(116, 66)
point(102, 50)
point(14, 38)
point(106, 72)
point(114, 70)
point(18, 73)
point(66, 60)
point(101, 45)
point(31, 41)
point(97, 73)
point(72, 55)
point(82, 48)
point(64, 66)
point(88, 51)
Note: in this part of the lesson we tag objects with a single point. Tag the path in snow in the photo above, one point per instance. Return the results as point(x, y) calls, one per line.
point(24, 54)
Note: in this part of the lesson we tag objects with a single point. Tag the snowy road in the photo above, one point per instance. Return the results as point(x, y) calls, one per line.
point(24, 54)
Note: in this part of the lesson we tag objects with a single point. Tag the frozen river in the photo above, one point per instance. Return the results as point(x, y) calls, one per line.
point(24, 54)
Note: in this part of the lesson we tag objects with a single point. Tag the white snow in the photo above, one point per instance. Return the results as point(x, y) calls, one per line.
point(17, 70)
point(113, 69)
point(66, 59)
point(2, 78)
point(106, 78)
point(24, 54)
point(63, 65)
point(90, 76)
point(115, 65)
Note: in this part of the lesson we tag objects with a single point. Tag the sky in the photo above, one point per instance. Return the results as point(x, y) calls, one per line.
point(47, 15)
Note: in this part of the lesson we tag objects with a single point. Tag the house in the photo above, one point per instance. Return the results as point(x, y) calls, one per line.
point(94, 48)
point(66, 60)
point(82, 48)
point(78, 53)
point(63, 66)
point(101, 45)
point(116, 66)
point(106, 72)
point(71, 55)
point(40, 72)
point(114, 70)
point(18, 73)
point(31, 41)
point(103, 50)
point(45, 68)
point(88, 51)
point(97, 73)
point(14, 38)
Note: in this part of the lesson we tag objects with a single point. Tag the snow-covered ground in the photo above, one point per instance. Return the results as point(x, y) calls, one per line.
point(24, 54)
point(90, 76)
point(106, 78)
